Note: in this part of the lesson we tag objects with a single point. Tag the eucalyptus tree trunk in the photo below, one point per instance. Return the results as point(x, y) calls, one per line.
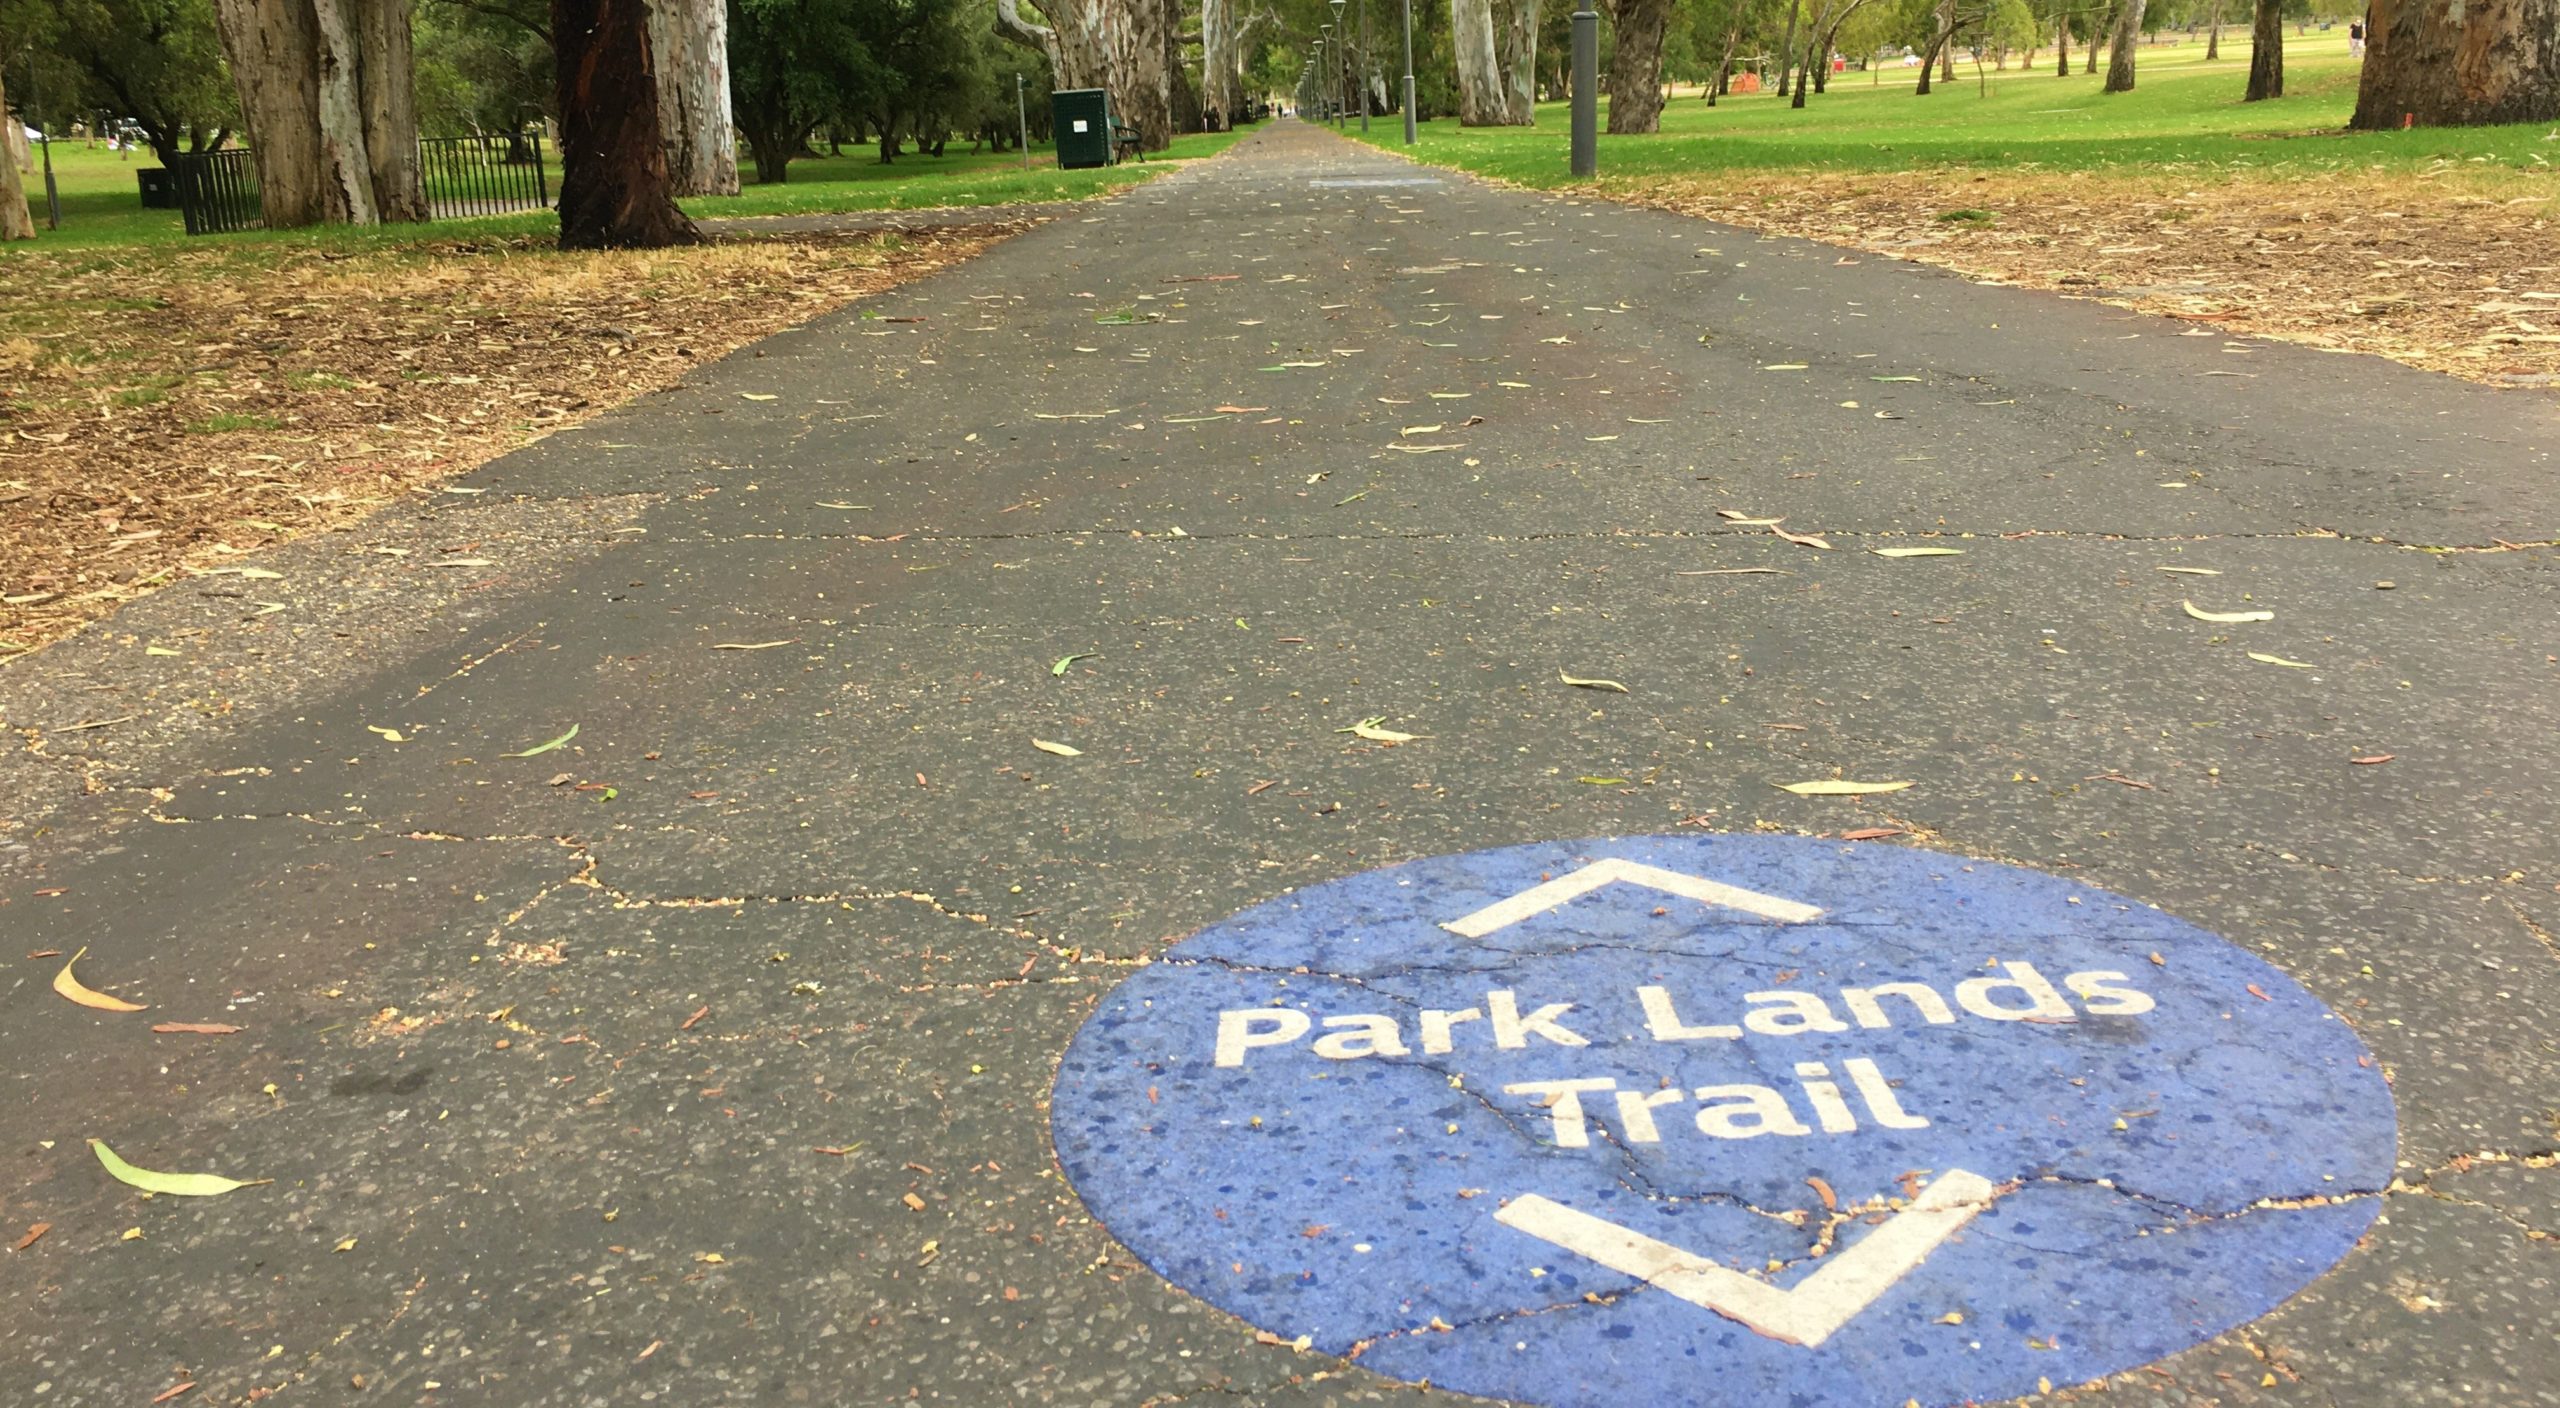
point(2459, 64)
point(389, 100)
point(1133, 44)
point(328, 92)
point(2120, 54)
point(689, 46)
point(1787, 49)
point(1515, 42)
point(16, 221)
point(1217, 60)
point(2062, 45)
point(1182, 100)
point(1481, 100)
point(614, 189)
point(2213, 36)
point(2266, 52)
point(1635, 69)
point(1072, 45)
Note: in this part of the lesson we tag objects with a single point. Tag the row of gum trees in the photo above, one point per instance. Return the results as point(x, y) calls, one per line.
point(653, 98)
point(2429, 62)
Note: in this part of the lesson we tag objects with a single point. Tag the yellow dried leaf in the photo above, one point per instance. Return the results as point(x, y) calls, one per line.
point(2280, 660)
point(1917, 552)
point(1833, 787)
point(72, 988)
point(1061, 749)
point(755, 396)
point(2194, 571)
point(1611, 685)
point(759, 645)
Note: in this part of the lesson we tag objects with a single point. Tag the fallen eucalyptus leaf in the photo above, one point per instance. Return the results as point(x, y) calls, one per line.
point(175, 1185)
point(1064, 661)
point(1611, 685)
point(541, 748)
point(1061, 749)
point(389, 735)
point(759, 645)
point(2194, 571)
point(1369, 728)
point(2280, 660)
point(1833, 787)
point(74, 989)
point(1917, 552)
point(2226, 618)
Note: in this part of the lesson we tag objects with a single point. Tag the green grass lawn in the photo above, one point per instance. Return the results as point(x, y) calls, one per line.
point(2184, 115)
point(101, 203)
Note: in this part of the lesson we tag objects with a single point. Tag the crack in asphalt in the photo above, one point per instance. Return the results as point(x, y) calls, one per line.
point(1121, 534)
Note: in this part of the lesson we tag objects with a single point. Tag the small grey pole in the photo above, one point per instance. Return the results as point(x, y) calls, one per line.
point(1022, 114)
point(1364, 67)
point(1408, 73)
point(1586, 91)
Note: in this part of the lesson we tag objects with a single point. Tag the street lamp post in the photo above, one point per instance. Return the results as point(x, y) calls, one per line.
point(1586, 90)
point(1408, 73)
point(1364, 67)
point(1342, 32)
point(1323, 80)
point(1022, 115)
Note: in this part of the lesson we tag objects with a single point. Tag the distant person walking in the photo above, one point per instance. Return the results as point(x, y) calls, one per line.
point(2355, 39)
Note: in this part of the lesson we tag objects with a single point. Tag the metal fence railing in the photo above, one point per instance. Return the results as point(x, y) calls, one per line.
point(491, 174)
point(218, 192)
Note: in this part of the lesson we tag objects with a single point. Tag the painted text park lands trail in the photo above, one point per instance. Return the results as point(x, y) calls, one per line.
point(1317, 779)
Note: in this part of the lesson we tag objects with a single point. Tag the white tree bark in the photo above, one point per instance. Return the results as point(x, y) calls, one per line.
point(1141, 86)
point(388, 72)
point(1073, 46)
point(1516, 42)
point(16, 221)
point(689, 41)
point(1482, 100)
point(316, 108)
point(1217, 61)
point(344, 165)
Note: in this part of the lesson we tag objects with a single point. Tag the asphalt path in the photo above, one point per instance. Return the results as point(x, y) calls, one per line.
point(705, 1057)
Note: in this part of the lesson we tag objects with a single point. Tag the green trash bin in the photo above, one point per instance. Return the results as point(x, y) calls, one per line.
point(159, 188)
point(1081, 120)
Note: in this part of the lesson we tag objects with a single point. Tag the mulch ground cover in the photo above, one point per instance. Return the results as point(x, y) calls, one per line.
point(165, 409)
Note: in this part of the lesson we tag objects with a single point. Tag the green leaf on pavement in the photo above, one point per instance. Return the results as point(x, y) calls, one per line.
point(1065, 660)
point(176, 1185)
point(541, 748)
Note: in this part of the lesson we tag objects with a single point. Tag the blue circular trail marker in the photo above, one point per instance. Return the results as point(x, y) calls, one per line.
point(1725, 1120)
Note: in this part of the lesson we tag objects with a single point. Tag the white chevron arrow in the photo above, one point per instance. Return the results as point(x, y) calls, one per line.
point(1564, 889)
point(1847, 1282)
